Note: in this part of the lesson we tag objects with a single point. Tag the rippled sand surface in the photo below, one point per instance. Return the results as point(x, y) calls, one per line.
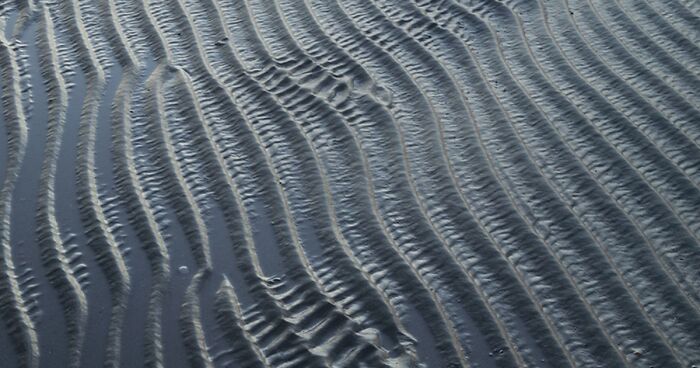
point(349, 183)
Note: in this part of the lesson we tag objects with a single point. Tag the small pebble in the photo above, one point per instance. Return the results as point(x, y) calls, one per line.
point(183, 270)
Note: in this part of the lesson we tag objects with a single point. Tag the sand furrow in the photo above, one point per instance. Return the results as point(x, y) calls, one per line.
point(524, 181)
point(408, 245)
point(517, 177)
point(294, 235)
point(308, 109)
point(14, 310)
point(188, 214)
point(585, 221)
point(101, 237)
point(475, 205)
point(335, 176)
point(595, 169)
point(143, 220)
point(683, 17)
point(364, 125)
point(625, 59)
point(639, 43)
point(270, 309)
point(246, 352)
point(527, 131)
point(59, 271)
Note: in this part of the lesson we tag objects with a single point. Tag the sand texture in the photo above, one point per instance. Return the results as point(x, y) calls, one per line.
point(349, 183)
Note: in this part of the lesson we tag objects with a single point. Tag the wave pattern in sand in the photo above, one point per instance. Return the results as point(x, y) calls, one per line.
point(349, 183)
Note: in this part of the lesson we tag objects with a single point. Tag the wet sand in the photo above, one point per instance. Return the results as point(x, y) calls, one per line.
point(349, 183)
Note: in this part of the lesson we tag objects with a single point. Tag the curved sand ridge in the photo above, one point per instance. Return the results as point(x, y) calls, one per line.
point(349, 183)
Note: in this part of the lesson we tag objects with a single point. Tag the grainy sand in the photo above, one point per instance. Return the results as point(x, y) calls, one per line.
point(349, 183)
